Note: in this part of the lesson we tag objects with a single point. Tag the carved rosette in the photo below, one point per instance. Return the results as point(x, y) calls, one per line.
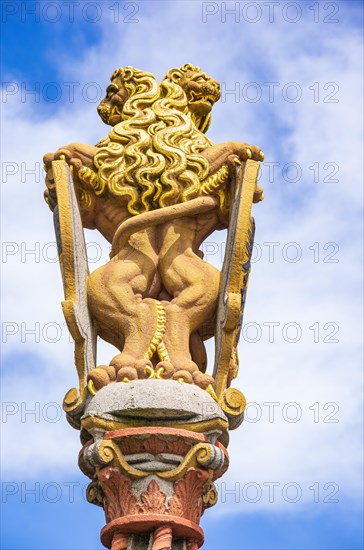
point(153, 486)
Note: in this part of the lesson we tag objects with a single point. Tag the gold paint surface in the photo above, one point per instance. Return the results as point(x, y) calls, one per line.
point(155, 187)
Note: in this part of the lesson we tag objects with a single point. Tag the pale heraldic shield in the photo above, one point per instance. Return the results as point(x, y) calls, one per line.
point(233, 287)
point(73, 261)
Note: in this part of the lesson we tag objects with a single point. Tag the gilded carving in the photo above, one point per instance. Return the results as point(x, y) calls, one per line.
point(156, 187)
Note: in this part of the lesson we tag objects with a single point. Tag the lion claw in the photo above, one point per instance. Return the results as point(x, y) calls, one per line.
point(150, 371)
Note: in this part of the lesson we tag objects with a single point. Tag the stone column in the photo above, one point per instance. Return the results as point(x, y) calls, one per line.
point(153, 449)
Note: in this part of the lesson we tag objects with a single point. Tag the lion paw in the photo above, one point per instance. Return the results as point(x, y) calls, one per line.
point(258, 194)
point(186, 365)
point(253, 152)
point(99, 377)
point(183, 376)
point(123, 360)
point(126, 374)
point(202, 380)
point(144, 368)
point(164, 369)
point(129, 368)
point(257, 153)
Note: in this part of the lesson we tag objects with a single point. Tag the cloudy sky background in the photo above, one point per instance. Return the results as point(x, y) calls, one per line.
point(291, 79)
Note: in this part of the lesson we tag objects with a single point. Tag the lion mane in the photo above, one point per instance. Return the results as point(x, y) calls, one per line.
point(152, 158)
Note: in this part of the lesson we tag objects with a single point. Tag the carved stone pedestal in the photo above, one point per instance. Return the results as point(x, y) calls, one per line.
point(153, 449)
point(154, 426)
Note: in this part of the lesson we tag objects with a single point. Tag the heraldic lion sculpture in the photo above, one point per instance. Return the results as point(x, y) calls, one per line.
point(156, 187)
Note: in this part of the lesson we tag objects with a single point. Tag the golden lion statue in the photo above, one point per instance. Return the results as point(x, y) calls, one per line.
point(156, 187)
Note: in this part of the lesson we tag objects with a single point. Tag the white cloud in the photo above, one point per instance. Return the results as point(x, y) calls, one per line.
point(306, 292)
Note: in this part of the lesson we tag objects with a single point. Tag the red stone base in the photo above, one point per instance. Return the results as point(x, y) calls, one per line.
point(163, 528)
point(153, 484)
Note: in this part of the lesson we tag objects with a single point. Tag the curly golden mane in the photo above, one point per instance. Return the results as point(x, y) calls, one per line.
point(126, 162)
point(153, 156)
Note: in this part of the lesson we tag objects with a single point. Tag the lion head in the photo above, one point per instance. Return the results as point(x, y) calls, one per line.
point(111, 107)
point(152, 155)
point(125, 83)
point(202, 92)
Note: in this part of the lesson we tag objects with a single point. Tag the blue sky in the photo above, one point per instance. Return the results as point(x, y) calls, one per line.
point(305, 279)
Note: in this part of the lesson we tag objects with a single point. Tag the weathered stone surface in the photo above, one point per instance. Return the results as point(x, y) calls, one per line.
point(156, 401)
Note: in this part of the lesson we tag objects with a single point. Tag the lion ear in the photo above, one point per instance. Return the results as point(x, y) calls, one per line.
point(175, 75)
point(115, 74)
point(128, 73)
